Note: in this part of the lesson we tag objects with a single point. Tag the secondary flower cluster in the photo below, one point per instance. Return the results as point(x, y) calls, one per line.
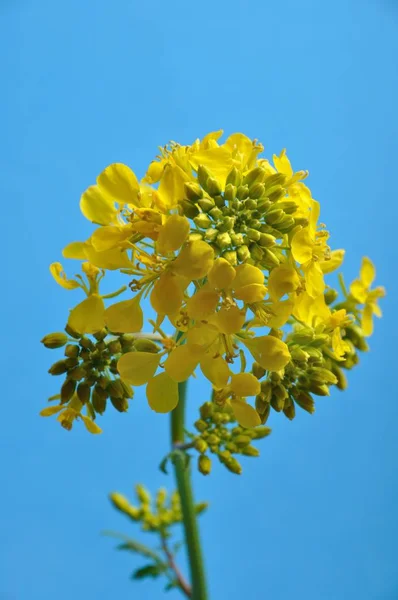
point(228, 248)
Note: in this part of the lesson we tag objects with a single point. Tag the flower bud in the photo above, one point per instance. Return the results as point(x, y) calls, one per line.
point(213, 187)
point(250, 204)
point(200, 445)
point(54, 340)
point(242, 192)
point(273, 216)
point(276, 194)
point(304, 400)
point(231, 256)
point(211, 234)
point(83, 392)
point(223, 240)
point(253, 235)
point(233, 465)
point(230, 192)
point(213, 439)
point(341, 378)
point(206, 410)
point(145, 345)
point(67, 390)
point(219, 201)
point(204, 464)
point(71, 350)
point(206, 204)
point(98, 399)
point(242, 440)
point(289, 409)
point(286, 224)
point(243, 253)
point(100, 335)
point(266, 240)
point(77, 373)
point(85, 342)
point(234, 177)
point(258, 174)
point(201, 425)
point(258, 371)
point(193, 191)
point(72, 332)
point(142, 494)
point(202, 221)
point(250, 451)
point(121, 404)
point(58, 368)
point(114, 347)
point(320, 389)
point(216, 213)
point(188, 209)
point(257, 190)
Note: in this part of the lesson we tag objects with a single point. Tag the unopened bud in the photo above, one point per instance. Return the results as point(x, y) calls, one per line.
point(200, 445)
point(320, 389)
point(54, 340)
point(115, 347)
point(258, 371)
point(72, 350)
point(193, 191)
point(304, 400)
point(201, 425)
point(206, 204)
point(257, 190)
point(233, 465)
point(83, 392)
point(223, 240)
point(231, 256)
point(145, 345)
point(230, 192)
point(242, 440)
point(234, 177)
point(243, 253)
point(213, 187)
point(251, 451)
point(242, 192)
point(77, 373)
point(204, 464)
point(142, 494)
point(98, 399)
point(330, 296)
point(202, 221)
point(72, 332)
point(58, 368)
point(67, 390)
point(188, 209)
point(273, 216)
point(266, 240)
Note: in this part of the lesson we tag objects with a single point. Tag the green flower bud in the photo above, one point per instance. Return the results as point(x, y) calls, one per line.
point(320, 389)
point(161, 498)
point(286, 224)
point(304, 400)
point(194, 237)
point(54, 340)
point(72, 350)
point(213, 439)
point(258, 174)
point(319, 340)
point(301, 221)
point(231, 256)
point(234, 177)
point(256, 252)
point(263, 206)
point(341, 378)
point(121, 404)
point(227, 224)
point(127, 388)
point(201, 507)
point(204, 464)
point(242, 192)
point(203, 175)
point(58, 368)
point(98, 399)
point(266, 390)
point(67, 390)
point(144, 345)
point(193, 191)
point(289, 409)
point(258, 371)
point(237, 239)
point(236, 205)
point(257, 190)
point(261, 432)
point(233, 465)
point(298, 353)
point(250, 451)
point(201, 425)
point(261, 404)
point(206, 410)
point(355, 335)
point(266, 240)
point(321, 375)
point(250, 204)
point(206, 204)
point(273, 216)
point(142, 494)
point(211, 234)
point(121, 503)
point(77, 373)
point(276, 194)
point(216, 213)
point(223, 240)
point(83, 392)
point(200, 445)
point(253, 235)
point(230, 192)
point(243, 253)
point(85, 354)
point(288, 206)
point(330, 296)
point(72, 332)
point(189, 210)
point(202, 221)
point(303, 336)
point(115, 388)
point(213, 187)
point(242, 440)
point(100, 335)
point(85, 342)
point(219, 201)
point(127, 342)
point(114, 347)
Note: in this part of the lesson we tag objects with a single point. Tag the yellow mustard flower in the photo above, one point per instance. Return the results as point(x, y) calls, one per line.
point(362, 292)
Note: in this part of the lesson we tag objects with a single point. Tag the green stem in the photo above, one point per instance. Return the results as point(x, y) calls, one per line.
point(183, 479)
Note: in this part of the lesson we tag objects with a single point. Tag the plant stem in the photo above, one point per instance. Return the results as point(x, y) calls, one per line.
point(183, 479)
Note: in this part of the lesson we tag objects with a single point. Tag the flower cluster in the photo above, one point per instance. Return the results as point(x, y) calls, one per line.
point(230, 252)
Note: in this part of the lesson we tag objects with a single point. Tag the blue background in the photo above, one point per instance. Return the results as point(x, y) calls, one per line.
point(90, 83)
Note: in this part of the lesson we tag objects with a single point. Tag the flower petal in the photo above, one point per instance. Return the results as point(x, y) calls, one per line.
point(270, 352)
point(245, 384)
point(162, 393)
point(182, 362)
point(119, 183)
point(245, 414)
point(60, 277)
point(97, 208)
point(125, 316)
point(138, 368)
point(88, 316)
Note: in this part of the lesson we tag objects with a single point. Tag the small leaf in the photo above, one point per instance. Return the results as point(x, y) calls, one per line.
point(151, 570)
point(163, 464)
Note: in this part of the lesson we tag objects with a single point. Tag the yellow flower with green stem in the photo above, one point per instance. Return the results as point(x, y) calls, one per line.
point(362, 292)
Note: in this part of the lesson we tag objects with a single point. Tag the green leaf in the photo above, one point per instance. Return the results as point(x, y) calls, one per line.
point(133, 546)
point(150, 570)
point(163, 464)
point(172, 585)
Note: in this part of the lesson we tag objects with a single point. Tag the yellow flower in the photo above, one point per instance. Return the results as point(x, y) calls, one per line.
point(308, 249)
point(60, 277)
point(67, 414)
point(362, 292)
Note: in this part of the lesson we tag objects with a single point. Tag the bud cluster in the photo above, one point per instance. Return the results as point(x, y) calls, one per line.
point(243, 221)
point(154, 516)
point(220, 435)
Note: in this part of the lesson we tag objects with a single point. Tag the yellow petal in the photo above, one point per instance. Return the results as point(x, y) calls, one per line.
point(245, 384)
point(282, 164)
point(195, 260)
point(171, 187)
point(105, 238)
point(282, 280)
point(202, 304)
point(254, 292)
point(51, 410)
point(215, 369)
point(182, 362)
point(302, 246)
point(154, 171)
point(202, 334)
point(281, 311)
point(247, 274)
point(367, 272)
point(57, 272)
point(162, 393)
point(75, 250)
point(335, 261)
point(138, 368)
point(245, 414)
point(119, 183)
point(217, 160)
point(339, 346)
point(230, 320)
point(358, 290)
point(222, 274)
point(311, 310)
point(173, 234)
point(90, 425)
point(314, 282)
point(367, 320)
point(88, 316)
point(96, 207)
point(167, 295)
point(270, 352)
point(125, 316)
point(112, 259)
